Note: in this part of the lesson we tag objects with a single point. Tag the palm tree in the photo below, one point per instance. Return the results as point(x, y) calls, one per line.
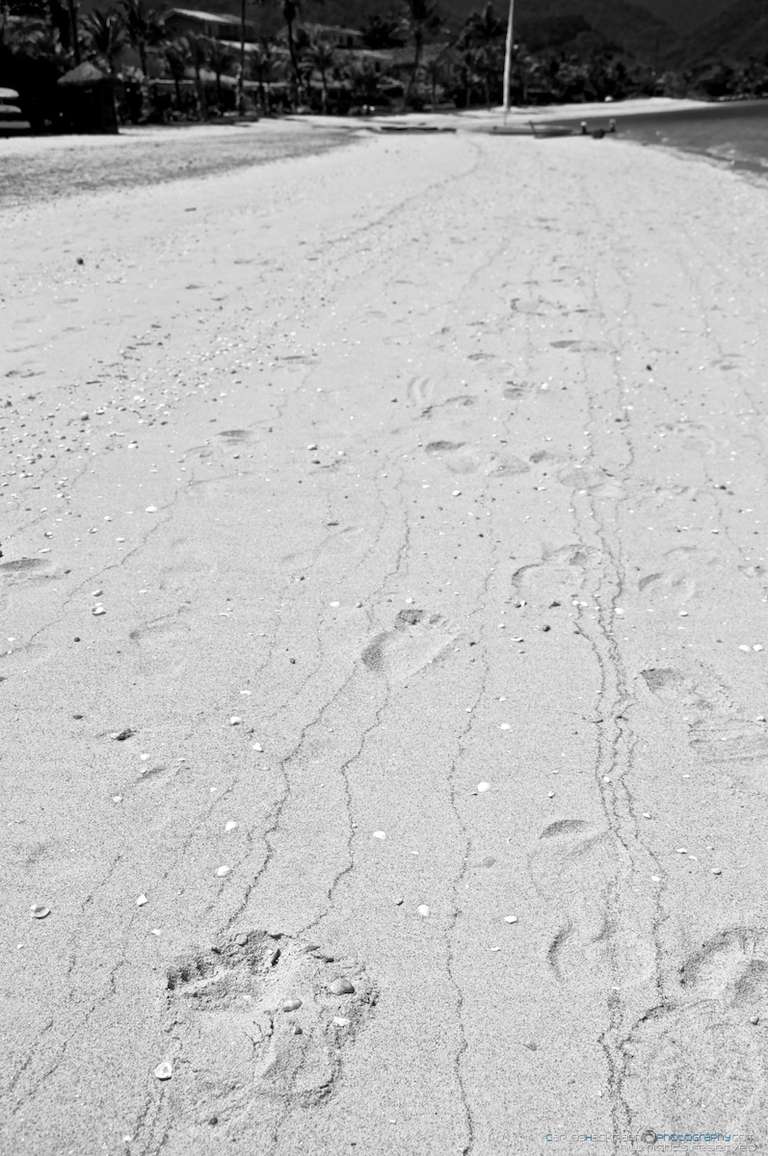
point(322, 57)
point(106, 35)
point(261, 69)
point(421, 16)
point(220, 59)
point(198, 49)
point(291, 10)
point(178, 58)
point(482, 33)
point(144, 27)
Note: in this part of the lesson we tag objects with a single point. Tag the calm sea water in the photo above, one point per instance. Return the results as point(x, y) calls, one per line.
point(734, 134)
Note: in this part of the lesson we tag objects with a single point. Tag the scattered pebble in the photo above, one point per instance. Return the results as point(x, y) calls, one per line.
point(39, 911)
point(483, 787)
point(510, 919)
point(682, 850)
point(98, 610)
point(379, 835)
point(230, 825)
point(151, 510)
point(754, 1019)
point(142, 900)
point(257, 747)
point(164, 1071)
point(341, 987)
point(340, 1021)
point(717, 870)
point(505, 727)
point(235, 720)
point(117, 798)
point(222, 871)
point(423, 910)
point(291, 1005)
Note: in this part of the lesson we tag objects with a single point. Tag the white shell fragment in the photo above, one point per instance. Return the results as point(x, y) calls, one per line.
point(164, 1071)
point(39, 911)
point(222, 871)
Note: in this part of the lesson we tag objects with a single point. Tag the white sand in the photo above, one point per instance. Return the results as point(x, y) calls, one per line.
point(533, 375)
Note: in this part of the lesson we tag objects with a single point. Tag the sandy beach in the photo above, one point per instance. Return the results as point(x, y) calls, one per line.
point(383, 677)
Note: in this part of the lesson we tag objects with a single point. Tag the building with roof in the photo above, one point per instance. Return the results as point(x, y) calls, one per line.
point(214, 25)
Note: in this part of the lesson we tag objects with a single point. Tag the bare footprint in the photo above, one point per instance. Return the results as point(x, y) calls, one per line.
point(417, 640)
point(235, 436)
point(699, 1059)
point(577, 868)
point(571, 867)
point(256, 1025)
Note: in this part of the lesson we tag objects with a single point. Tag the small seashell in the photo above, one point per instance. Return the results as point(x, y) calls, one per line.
point(341, 987)
point(39, 911)
point(164, 1071)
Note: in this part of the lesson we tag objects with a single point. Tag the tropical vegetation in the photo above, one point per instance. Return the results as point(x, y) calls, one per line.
point(406, 55)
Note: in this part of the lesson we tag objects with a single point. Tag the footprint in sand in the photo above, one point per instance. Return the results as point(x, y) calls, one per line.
point(591, 480)
point(164, 643)
point(699, 1060)
point(555, 576)
point(420, 391)
point(460, 458)
point(254, 1028)
point(718, 733)
point(416, 641)
point(20, 566)
point(571, 867)
point(235, 436)
point(575, 867)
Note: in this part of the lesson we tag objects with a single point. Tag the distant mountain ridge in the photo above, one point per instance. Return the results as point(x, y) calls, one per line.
point(662, 32)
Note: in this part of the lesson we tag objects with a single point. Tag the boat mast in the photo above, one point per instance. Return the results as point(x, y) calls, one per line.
point(508, 53)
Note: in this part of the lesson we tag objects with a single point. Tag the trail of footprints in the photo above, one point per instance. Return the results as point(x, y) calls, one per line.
point(257, 1024)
